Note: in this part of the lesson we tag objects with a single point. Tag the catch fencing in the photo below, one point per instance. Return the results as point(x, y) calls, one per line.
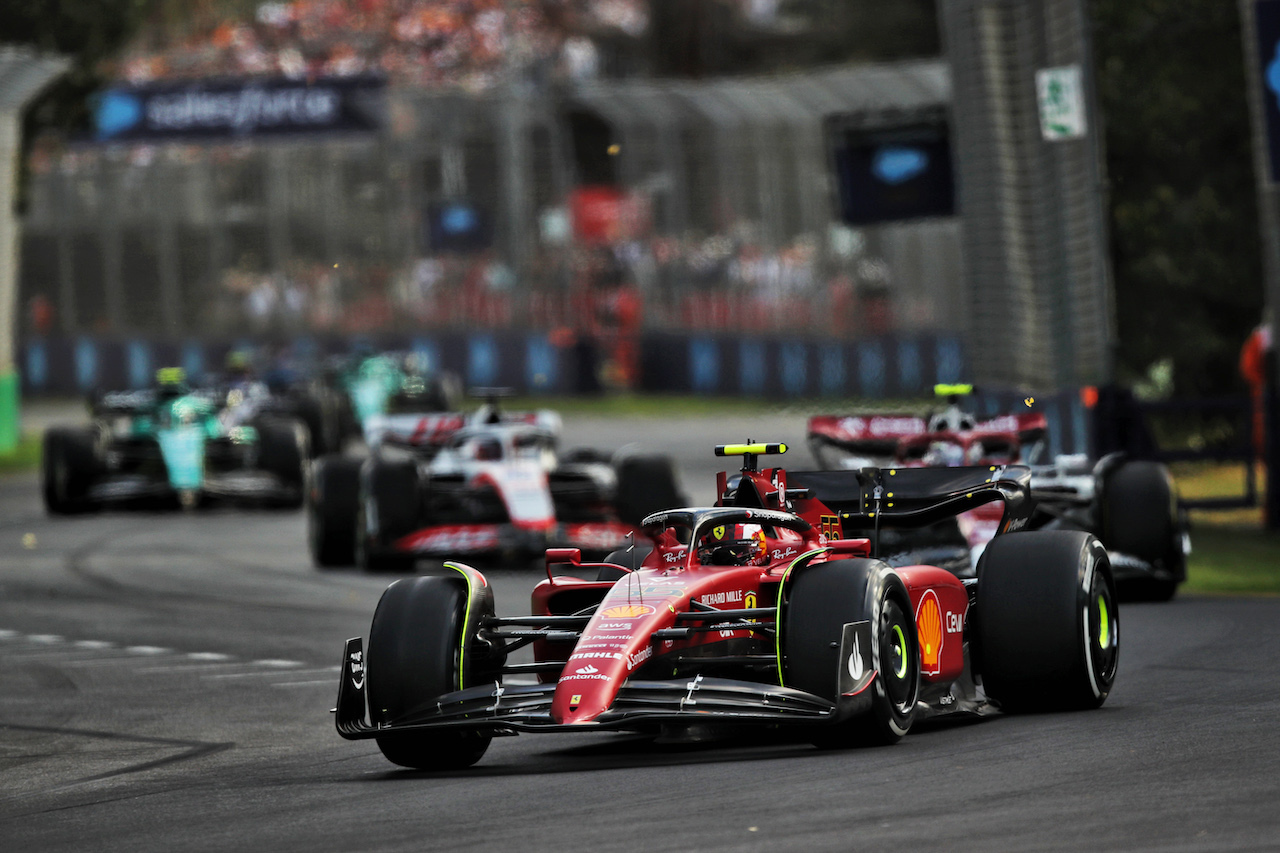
point(634, 204)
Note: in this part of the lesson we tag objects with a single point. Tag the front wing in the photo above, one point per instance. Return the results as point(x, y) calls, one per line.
point(508, 709)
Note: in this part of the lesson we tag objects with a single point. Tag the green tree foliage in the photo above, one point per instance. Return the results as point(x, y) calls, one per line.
point(87, 31)
point(1184, 233)
point(706, 38)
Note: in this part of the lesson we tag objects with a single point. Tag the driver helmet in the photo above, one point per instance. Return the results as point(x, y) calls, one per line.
point(171, 382)
point(732, 545)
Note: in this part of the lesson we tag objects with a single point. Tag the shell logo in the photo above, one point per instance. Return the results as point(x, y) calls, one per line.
point(626, 611)
point(929, 629)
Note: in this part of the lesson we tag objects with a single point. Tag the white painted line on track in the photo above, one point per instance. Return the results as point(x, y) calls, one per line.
point(120, 657)
point(193, 667)
point(328, 681)
point(148, 650)
point(44, 639)
point(210, 656)
point(94, 644)
point(269, 672)
point(8, 635)
point(278, 664)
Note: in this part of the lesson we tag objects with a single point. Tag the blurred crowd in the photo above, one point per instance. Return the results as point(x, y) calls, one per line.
point(713, 283)
point(471, 43)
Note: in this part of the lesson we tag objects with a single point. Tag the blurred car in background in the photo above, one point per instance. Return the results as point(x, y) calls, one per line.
point(486, 483)
point(1130, 504)
point(176, 445)
point(369, 385)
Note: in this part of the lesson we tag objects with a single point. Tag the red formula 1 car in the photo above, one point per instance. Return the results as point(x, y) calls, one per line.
point(769, 608)
point(1129, 504)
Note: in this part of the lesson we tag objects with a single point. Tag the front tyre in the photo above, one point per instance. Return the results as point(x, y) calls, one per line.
point(283, 452)
point(331, 511)
point(1047, 625)
point(1139, 515)
point(416, 653)
point(69, 463)
point(389, 509)
point(646, 484)
point(819, 602)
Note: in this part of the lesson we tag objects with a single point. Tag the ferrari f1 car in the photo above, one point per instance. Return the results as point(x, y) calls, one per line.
point(174, 445)
point(489, 483)
point(770, 608)
point(1129, 504)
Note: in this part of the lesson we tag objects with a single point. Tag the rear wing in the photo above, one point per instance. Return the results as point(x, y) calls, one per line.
point(885, 435)
point(123, 402)
point(413, 431)
point(914, 497)
point(876, 435)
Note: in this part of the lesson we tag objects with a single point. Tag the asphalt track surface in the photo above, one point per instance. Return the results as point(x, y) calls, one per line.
point(166, 679)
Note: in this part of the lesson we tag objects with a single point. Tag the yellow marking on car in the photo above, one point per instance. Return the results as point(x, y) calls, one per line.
point(743, 449)
point(777, 616)
point(466, 620)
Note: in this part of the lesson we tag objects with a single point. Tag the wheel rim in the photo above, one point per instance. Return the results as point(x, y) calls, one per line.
point(896, 653)
point(1104, 633)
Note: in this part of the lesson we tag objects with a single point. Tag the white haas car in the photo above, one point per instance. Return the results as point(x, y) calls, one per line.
point(1131, 505)
point(487, 484)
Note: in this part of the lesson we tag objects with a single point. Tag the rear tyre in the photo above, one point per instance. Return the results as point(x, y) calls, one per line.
point(331, 511)
point(1046, 623)
point(646, 484)
point(69, 463)
point(415, 655)
point(314, 413)
point(283, 451)
point(819, 602)
point(1140, 517)
point(388, 509)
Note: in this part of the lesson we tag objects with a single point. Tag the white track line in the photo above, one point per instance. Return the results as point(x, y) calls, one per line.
point(327, 681)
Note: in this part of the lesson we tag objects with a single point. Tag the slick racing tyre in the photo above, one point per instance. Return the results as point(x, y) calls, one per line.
point(1047, 632)
point(331, 511)
point(819, 601)
point(414, 656)
point(283, 451)
point(318, 411)
point(646, 484)
point(1140, 517)
point(388, 509)
point(69, 463)
point(630, 558)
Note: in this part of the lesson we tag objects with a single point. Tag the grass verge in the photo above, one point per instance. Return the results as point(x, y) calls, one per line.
point(25, 457)
point(1233, 561)
point(1230, 552)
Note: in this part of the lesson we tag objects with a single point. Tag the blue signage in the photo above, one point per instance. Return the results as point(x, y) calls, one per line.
point(1267, 17)
point(751, 367)
point(482, 360)
point(832, 370)
point(238, 108)
point(793, 366)
point(540, 362)
point(704, 365)
point(871, 368)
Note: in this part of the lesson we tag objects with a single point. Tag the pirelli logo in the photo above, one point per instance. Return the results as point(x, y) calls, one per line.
point(830, 526)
